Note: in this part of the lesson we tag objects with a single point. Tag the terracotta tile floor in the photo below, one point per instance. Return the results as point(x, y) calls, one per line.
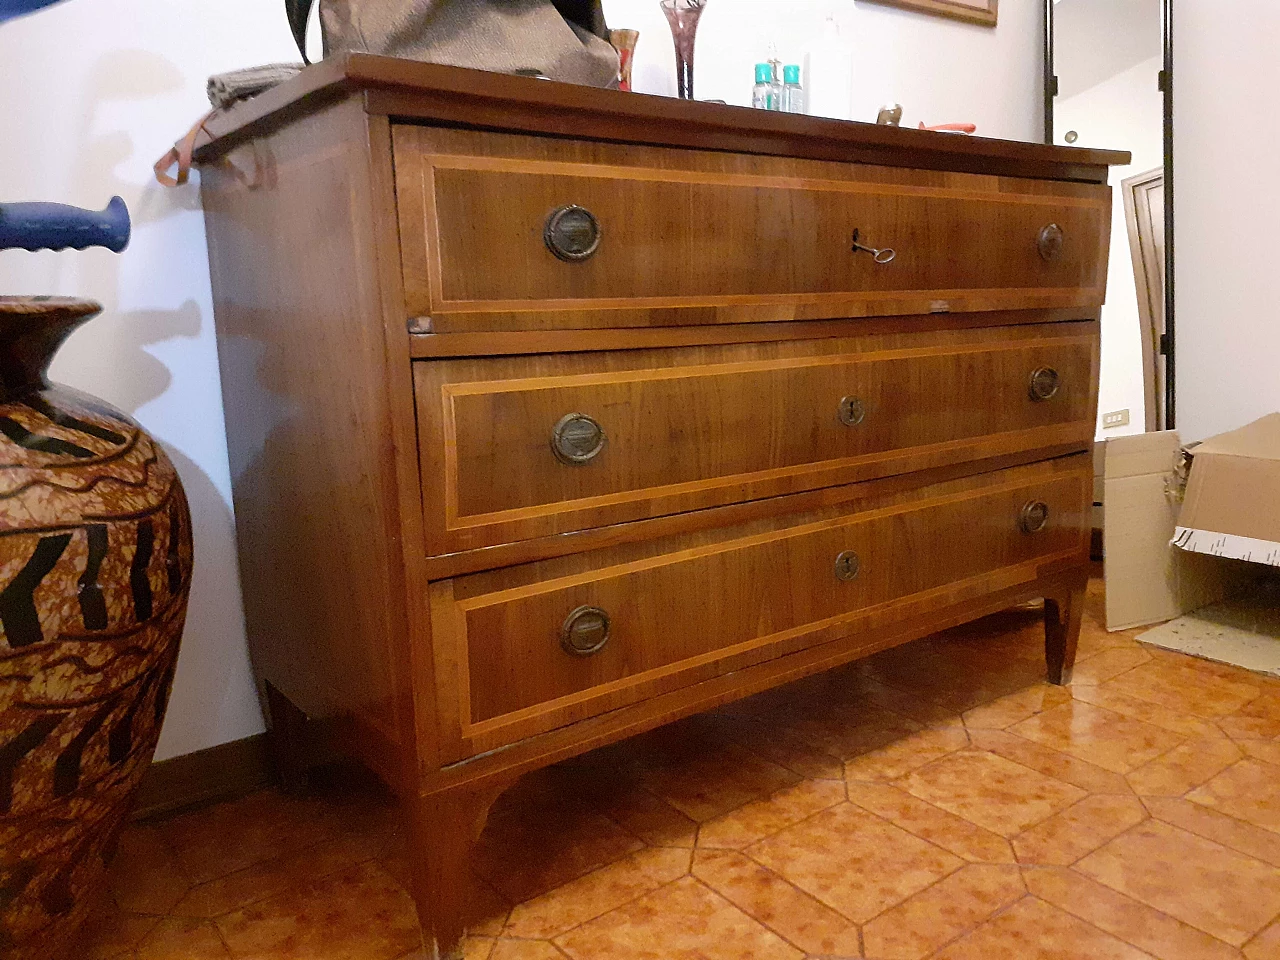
point(936, 801)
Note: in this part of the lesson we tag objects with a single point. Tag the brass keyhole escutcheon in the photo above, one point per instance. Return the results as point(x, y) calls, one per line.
point(848, 566)
point(1050, 242)
point(852, 411)
point(572, 233)
point(577, 439)
point(1034, 516)
point(585, 631)
point(1045, 384)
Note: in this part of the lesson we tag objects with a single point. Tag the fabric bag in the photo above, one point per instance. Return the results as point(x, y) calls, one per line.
point(558, 39)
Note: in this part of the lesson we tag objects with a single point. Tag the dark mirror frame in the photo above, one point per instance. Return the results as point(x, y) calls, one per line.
point(1166, 88)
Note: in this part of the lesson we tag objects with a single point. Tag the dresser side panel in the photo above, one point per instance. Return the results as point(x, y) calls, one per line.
point(293, 230)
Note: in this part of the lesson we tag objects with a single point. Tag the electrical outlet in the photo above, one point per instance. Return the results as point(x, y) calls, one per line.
point(1117, 418)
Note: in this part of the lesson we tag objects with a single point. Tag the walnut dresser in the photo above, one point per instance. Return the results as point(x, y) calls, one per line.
point(557, 413)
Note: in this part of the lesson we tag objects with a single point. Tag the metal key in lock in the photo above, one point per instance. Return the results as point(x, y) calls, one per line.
point(884, 255)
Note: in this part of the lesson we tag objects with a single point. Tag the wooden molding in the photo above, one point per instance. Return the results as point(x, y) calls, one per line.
point(218, 773)
point(410, 89)
point(984, 12)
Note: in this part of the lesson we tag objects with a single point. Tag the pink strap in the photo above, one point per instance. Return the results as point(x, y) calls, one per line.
point(180, 153)
point(961, 127)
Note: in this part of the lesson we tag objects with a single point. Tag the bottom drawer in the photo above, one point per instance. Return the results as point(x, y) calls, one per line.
point(529, 648)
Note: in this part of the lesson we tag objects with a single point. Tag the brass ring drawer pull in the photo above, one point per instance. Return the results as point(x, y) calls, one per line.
point(1045, 384)
point(884, 255)
point(585, 631)
point(1033, 517)
point(852, 411)
point(848, 566)
point(572, 233)
point(1050, 242)
point(577, 439)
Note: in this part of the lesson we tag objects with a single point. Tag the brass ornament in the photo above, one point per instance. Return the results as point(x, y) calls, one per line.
point(1033, 517)
point(1050, 242)
point(585, 631)
point(572, 233)
point(848, 566)
point(577, 439)
point(852, 411)
point(1044, 384)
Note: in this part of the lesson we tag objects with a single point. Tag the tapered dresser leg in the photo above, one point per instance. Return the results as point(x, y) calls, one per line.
point(445, 826)
point(287, 739)
point(1062, 617)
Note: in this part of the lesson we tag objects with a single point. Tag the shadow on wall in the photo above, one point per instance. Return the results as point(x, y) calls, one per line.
point(107, 357)
point(120, 75)
point(152, 353)
point(115, 342)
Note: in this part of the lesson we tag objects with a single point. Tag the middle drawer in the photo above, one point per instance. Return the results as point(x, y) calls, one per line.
point(521, 447)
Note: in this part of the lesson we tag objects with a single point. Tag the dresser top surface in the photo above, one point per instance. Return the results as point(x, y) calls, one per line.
point(423, 92)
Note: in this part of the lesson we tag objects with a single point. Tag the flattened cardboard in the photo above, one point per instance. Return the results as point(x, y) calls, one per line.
point(1149, 580)
point(1232, 504)
point(1099, 471)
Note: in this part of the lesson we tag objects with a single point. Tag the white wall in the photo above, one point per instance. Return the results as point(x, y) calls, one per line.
point(1094, 40)
point(1227, 203)
point(92, 91)
point(940, 70)
point(1124, 112)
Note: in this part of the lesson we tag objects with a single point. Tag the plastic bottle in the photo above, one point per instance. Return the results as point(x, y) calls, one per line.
point(792, 92)
point(764, 95)
point(829, 74)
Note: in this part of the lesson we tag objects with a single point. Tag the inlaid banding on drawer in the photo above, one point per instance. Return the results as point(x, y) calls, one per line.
point(763, 239)
point(739, 235)
point(693, 428)
point(739, 599)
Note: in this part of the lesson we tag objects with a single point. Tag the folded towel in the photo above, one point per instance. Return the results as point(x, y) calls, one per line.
point(226, 88)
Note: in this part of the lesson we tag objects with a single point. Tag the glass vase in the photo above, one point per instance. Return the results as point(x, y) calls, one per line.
point(624, 41)
point(683, 17)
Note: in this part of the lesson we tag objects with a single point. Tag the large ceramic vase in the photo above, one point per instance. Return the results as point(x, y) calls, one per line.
point(95, 567)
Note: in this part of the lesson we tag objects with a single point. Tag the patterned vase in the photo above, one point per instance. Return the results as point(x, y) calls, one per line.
point(682, 17)
point(95, 567)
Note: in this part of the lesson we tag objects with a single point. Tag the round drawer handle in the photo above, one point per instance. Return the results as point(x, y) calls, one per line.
point(852, 411)
point(585, 631)
point(577, 439)
point(1033, 517)
point(1050, 242)
point(1045, 384)
point(572, 233)
point(848, 566)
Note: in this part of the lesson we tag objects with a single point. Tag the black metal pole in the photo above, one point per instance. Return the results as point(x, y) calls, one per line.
point(1050, 78)
point(1166, 87)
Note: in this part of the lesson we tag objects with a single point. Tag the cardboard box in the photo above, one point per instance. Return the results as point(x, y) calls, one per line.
point(1232, 502)
point(1148, 579)
point(1099, 475)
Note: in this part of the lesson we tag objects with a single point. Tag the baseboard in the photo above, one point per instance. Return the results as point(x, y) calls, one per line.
point(218, 773)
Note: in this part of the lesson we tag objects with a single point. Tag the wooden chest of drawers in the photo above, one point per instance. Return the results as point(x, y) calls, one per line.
point(556, 414)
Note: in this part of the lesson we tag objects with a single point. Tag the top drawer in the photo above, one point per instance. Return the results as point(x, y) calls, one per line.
point(669, 236)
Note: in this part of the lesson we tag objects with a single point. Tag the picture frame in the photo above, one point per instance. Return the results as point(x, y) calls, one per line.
point(984, 12)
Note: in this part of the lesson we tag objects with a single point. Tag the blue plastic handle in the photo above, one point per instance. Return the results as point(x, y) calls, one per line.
point(56, 226)
point(17, 8)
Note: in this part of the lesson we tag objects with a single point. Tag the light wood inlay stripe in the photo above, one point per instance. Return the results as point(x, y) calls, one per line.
point(656, 175)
